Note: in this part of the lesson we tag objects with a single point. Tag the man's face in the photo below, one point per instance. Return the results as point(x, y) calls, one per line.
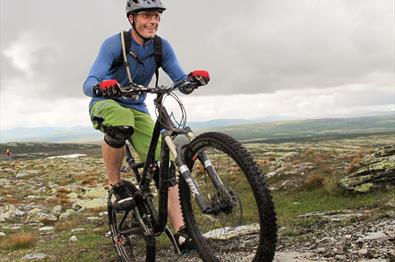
point(147, 23)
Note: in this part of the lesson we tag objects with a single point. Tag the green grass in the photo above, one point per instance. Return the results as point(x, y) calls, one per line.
point(290, 205)
point(89, 247)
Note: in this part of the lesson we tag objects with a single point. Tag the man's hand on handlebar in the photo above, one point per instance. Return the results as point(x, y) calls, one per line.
point(200, 77)
point(196, 78)
point(107, 88)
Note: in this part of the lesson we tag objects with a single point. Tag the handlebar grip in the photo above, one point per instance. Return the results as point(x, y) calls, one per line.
point(97, 91)
point(188, 88)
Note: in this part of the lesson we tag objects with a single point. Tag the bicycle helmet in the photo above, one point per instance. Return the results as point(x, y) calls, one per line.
point(134, 6)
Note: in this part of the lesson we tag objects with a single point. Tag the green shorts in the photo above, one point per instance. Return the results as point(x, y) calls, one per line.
point(109, 113)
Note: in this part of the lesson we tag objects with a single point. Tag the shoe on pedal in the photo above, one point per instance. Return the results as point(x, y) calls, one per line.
point(123, 197)
point(184, 241)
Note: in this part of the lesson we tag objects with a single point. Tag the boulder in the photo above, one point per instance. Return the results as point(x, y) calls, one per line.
point(25, 173)
point(56, 210)
point(10, 212)
point(66, 214)
point(374, 171)
point(36, 256)
point(37, 215)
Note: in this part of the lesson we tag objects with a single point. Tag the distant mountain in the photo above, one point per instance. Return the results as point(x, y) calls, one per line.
point(88, 134)
point(219, 123)
point(50, 134)
point(314, 128)
point(232, 122)
point(242, 129)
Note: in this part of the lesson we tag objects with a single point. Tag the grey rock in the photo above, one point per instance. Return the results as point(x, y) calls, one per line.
point(228, 232)
point(2, 234)
point(292, 256)
point(33, 197)
point(46, 229)
point(340, 257)
point(76, 206)
point(373, 236)
point(374, 260)
point(56, 210)
point(77, 230)
point(25, 173)
point(374, 171)
point(362, 251)
point(53, 185)
point(36, 256)
point(103, 214)
point(93, 218)
point(73, 239)
point(10, 212)
point(66, 214)
point(271, 174)
point(13, 227)
point(4, 182)
point(37, 215)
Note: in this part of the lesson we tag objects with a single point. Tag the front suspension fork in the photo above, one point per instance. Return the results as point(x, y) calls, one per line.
point(184, 171)
point(186, 174)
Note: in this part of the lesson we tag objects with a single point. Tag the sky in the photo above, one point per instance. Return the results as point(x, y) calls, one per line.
point(283, 59)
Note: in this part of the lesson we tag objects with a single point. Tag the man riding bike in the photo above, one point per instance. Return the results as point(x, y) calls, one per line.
point(121, 118)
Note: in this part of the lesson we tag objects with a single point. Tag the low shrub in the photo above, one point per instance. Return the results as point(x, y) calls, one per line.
point(18, 241)
point(313, 181)
point(331, 185)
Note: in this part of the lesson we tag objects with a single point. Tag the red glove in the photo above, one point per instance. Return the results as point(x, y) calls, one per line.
point(201, 77)
point(107, 88)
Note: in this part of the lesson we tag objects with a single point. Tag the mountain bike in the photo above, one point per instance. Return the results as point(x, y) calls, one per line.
point(226, 205)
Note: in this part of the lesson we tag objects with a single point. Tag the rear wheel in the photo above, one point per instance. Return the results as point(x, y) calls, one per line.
point(131, 241)
point(242, 226)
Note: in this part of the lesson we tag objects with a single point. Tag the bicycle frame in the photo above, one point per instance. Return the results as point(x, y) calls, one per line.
point(165, 129)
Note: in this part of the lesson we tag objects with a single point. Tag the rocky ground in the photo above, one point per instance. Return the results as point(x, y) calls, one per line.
point(60, 203)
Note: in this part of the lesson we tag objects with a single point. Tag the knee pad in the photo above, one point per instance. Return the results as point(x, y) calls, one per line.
point(115, 136)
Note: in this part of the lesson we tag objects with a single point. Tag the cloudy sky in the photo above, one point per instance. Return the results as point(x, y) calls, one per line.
point(283, 58)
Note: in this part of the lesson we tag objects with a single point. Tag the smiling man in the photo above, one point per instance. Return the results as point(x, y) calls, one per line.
point(121, 118)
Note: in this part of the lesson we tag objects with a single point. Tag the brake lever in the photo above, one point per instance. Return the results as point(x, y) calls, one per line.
point(129, 88)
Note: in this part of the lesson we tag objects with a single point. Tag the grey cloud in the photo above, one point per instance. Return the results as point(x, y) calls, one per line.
point(251, 47)
point(74, 30)
point(294, 44)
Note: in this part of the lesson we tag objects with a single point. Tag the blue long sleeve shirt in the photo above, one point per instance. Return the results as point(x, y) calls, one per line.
point(142, 73)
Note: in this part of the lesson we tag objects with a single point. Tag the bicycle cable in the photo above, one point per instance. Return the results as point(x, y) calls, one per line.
point(176, 123)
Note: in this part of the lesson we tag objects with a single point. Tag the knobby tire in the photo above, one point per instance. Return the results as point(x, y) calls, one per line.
point(242, 167)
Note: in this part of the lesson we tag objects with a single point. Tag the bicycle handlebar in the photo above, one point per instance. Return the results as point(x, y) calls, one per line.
point(136, 89)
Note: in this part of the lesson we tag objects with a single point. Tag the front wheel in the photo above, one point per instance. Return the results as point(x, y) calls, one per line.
point(242, 223)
